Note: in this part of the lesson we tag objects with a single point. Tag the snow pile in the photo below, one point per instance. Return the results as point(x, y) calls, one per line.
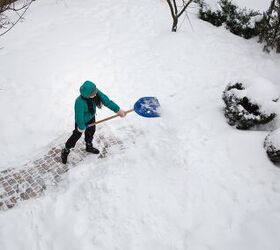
point(250, 102)
point(262, 92)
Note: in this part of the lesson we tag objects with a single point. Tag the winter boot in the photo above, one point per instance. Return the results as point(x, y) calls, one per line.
point(64, 154)
point(91, 149)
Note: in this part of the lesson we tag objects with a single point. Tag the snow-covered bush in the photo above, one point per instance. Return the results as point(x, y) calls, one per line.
point(250, 102)
point(272, 146)
point(241, 22)
point(269, 27)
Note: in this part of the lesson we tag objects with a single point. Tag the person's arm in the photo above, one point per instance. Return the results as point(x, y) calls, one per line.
point(79, 115)
point(107, 102)
point(110, 104)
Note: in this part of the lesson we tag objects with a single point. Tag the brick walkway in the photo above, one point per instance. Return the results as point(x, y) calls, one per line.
point(33, 179)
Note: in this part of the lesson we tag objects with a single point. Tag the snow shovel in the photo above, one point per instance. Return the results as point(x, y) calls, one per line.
point(146, 106)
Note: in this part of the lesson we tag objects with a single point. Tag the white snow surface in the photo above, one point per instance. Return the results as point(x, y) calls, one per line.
point(260, 91)
point(190, 181)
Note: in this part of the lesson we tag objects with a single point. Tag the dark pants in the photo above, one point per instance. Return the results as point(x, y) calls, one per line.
point(89, 132)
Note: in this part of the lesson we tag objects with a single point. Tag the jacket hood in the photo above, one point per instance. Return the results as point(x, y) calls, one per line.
point(87, 88)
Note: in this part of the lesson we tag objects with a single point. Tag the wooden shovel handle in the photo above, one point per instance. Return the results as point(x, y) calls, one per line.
point(108, 118)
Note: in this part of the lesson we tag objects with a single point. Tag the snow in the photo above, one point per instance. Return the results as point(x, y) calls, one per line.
point(263, 92)
point(189, 181)
point(260, 91)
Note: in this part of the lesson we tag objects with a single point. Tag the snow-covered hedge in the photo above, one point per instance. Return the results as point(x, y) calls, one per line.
point(270, 27)
point(272, 146)
point(250, 102)
point(241, 22)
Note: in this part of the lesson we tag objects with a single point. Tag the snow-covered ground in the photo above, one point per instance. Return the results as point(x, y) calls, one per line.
point(190, 181)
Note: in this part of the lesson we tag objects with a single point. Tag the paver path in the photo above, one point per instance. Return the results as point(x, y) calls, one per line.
point(34, 178)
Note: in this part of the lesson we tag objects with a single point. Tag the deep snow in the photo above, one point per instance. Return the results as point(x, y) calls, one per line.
point(189, 182)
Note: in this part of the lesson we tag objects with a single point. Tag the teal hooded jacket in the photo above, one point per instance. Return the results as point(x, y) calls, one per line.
point(82, 113)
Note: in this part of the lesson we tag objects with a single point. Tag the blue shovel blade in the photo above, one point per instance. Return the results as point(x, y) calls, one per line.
point(147, 107)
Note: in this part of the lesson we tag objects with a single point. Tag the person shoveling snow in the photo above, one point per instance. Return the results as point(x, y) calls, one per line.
point(85, 109)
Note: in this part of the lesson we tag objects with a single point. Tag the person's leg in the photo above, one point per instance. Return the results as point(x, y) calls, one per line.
point(71, 142)
point(89, 133)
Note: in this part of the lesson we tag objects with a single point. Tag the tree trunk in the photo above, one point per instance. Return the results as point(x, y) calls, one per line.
point(175, 24)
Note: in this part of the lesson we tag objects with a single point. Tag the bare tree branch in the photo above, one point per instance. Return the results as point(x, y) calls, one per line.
point(171, 9)
point(174, 11)
point(9, 5)
point(185, 7)
point(175, 7)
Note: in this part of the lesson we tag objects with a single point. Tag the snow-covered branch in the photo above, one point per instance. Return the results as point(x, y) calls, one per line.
point(17, 7)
